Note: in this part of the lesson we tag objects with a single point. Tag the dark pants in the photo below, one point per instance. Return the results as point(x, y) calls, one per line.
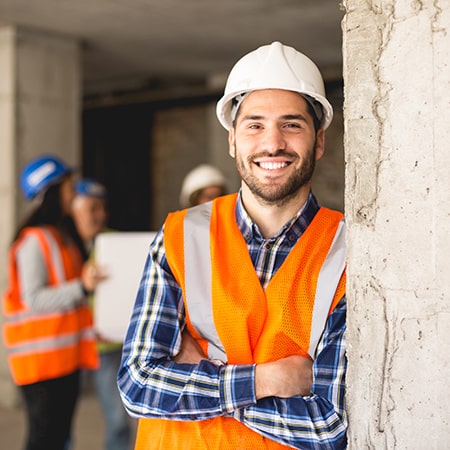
point(50, 406)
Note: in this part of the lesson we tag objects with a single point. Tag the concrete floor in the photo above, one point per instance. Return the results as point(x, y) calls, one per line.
point(88, 427)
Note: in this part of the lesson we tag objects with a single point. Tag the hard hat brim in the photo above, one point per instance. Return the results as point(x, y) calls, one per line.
point(223, 108)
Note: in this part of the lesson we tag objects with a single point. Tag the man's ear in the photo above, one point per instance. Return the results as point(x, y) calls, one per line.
point(231, 143)
point(320, 143)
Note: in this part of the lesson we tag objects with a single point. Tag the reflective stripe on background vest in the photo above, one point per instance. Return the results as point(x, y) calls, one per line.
point(55, 257)
point(198, 278)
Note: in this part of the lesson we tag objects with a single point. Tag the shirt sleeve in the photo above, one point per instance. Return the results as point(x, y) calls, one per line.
point(317, 421)
point(33, 279)
point(150, 382)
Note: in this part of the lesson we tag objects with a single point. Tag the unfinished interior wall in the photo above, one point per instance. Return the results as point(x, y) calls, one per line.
point(397, 115)
point(39, 113)
point(175, 150)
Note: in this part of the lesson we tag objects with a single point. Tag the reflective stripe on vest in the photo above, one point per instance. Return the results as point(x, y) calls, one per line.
point(198, 276)
point(56, 258)
point(50, 343)
point(329, 276)
point(198, 280)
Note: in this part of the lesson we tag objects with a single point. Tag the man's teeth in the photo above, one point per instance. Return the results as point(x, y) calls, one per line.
point(272, 165)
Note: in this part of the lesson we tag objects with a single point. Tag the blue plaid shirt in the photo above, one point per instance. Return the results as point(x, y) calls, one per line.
point(152, 385)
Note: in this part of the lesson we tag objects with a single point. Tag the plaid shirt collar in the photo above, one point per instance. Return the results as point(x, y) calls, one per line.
point(293, 229)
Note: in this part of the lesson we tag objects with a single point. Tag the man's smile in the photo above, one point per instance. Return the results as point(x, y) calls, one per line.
point(272, 165)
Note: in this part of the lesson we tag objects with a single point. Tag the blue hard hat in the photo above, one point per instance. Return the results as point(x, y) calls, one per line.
point(87, 187)
point(40, 173)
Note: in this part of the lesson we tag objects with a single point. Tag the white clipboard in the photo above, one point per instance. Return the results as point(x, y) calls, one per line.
point(122, 256)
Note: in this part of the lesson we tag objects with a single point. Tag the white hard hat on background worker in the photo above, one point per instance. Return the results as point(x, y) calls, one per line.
point(199, 178)
point(274, 66)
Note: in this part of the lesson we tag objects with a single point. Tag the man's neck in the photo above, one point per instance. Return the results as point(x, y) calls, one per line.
point(270, 218)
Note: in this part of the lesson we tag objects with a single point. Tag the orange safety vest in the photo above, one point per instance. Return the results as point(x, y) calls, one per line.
point(47, 346)
point(252, 325)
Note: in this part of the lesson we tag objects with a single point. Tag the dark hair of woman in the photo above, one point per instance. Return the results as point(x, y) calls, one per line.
point(50, 212)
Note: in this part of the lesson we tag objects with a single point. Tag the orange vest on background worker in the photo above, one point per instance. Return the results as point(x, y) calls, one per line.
point(251, 324)
point(47, 346)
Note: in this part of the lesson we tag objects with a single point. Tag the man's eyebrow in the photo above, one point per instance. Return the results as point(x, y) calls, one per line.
point(252, 117)
point(284, 117)
point(294, 117)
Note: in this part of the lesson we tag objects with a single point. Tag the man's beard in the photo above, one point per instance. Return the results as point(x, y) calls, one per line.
point(277, 194)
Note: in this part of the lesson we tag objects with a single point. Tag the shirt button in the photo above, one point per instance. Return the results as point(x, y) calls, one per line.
point(267, 246)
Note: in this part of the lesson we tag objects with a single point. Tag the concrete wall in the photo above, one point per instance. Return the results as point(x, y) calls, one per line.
point(8, 190)
point(397, 113)
point(39, 113)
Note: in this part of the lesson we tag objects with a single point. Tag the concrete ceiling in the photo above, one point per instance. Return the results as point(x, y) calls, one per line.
point(197, 39)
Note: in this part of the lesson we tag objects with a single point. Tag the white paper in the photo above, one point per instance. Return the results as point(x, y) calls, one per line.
point(122, 256)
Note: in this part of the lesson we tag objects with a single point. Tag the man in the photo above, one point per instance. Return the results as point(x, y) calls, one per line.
point(202, 184)
point(90, 212)
point(236, 340)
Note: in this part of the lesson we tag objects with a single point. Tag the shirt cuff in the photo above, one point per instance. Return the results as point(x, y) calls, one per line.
point(237, 386)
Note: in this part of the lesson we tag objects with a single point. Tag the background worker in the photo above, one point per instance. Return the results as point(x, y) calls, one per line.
point(90, 211)
point(48, 324)
point(236, 340)
point(202, 184)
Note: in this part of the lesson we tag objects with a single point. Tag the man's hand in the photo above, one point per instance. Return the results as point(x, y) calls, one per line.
point(284, 378)
point(190, 352)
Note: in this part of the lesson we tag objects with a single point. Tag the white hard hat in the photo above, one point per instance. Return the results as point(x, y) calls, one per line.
point(274, 66)
point(198, 178)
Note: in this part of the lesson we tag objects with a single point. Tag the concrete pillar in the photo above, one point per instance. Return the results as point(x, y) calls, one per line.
point(40, 87)
point(396, 115)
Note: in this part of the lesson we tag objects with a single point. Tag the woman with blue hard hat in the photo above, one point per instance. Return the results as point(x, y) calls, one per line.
point(48, 325)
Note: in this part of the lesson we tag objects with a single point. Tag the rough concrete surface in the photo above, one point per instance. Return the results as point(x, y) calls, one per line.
point(396, 78)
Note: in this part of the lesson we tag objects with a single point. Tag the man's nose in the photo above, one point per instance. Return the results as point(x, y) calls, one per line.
point(273, 139)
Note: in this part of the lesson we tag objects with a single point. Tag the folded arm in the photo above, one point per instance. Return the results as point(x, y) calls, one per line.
point(284, 378)
point(161, 377)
